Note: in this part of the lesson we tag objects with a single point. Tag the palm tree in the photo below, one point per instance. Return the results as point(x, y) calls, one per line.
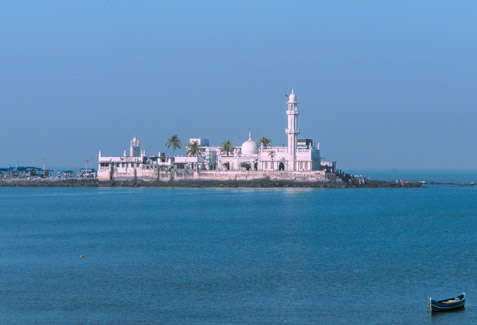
point(193, 150)
point(272, 155)
point(227, 147)
point(265, 141)
point(174, 142)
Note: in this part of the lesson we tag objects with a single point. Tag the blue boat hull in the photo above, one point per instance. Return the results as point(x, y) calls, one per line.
point(448, 304)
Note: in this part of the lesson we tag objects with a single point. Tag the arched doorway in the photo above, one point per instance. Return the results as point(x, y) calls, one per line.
point(281, 167)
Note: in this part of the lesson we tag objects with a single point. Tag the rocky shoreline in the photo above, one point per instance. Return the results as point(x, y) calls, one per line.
point(264, 183)
point(448, 183)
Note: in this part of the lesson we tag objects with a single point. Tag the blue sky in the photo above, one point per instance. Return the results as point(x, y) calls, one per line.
point(381, 84)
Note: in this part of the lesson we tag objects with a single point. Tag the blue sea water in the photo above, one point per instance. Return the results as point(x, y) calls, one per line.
point(236, 256)
point(457, 177)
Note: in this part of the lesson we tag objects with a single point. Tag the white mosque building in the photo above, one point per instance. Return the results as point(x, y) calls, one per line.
point(299, 155)
point(249, 161)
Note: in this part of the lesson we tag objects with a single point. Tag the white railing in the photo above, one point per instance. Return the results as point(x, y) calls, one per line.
point(275, 149)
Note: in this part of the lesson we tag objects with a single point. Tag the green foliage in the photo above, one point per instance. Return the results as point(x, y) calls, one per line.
point(265, 141)
point(174, 142)
point(227, 147)
point(272, 155)
point(193, 149)
point(245, 165)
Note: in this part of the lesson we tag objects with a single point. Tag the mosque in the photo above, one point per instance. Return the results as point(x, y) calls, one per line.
point(248, 161)
point(299, 155)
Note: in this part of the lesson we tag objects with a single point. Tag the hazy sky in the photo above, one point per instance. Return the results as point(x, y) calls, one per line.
point(381, 84)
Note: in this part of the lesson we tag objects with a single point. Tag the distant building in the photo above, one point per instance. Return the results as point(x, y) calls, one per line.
point(135, 166)
point(87, 173)
point(299, 156)
point(23, 172)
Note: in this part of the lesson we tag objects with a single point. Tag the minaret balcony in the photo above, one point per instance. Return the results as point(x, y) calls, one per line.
point(290, 131)
point(293, 112)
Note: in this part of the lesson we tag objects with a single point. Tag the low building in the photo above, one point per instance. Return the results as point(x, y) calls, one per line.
point(135, 166)
point(87, 173)
point(23, 172)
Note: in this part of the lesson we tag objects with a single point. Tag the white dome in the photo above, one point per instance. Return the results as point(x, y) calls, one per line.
point(249, 147)
point(291, 98)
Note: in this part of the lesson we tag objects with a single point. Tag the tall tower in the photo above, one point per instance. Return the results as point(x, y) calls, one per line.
point(292, 131)
point(134, 149)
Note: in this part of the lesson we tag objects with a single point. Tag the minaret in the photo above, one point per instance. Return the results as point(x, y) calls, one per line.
point(134, 150)
point(292, 131)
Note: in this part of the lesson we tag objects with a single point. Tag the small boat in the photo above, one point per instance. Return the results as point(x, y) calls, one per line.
point(447, 304)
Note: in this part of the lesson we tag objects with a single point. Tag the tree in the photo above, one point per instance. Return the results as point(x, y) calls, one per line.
point(193, 150)
point(265, 141)
point(246, 165)
point(272, 155)
point(174, 142)
point(227, 147)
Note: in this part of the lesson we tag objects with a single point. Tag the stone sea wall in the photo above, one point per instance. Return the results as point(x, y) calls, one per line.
point(202, 183)
point(213, 175)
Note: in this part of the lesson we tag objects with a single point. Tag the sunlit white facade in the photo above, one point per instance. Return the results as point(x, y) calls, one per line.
point(299, 156)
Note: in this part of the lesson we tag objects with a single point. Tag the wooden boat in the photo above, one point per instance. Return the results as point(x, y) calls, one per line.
point(448, 304)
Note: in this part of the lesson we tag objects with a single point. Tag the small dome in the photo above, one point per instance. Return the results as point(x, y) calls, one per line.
point(292, 98)
point(249, 147)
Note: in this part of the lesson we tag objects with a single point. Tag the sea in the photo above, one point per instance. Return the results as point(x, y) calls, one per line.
point(237, 256)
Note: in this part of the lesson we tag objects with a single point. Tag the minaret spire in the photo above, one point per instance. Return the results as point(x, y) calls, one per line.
point(292, 131)
point(135, 149)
